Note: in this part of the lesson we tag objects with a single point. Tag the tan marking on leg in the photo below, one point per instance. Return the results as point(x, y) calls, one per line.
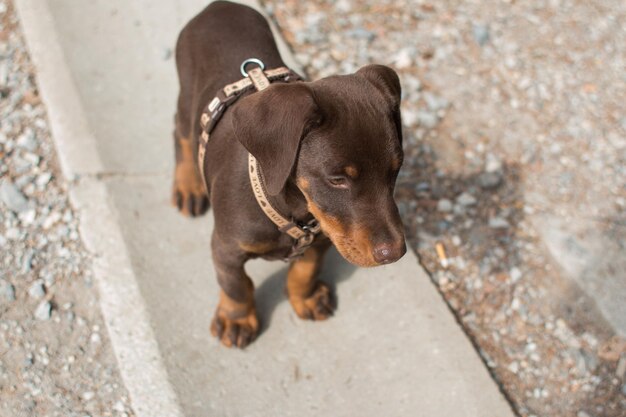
point(301, 275)
point(188, 192)
point(309, 297)
point(257, 248)
point(303, 184)
point(235, 323)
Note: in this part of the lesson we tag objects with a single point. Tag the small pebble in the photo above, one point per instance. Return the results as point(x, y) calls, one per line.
point(620, 371)
point(27, 141)
point(427, 120)
point(7, 291)
point(404, 58)
point(493, 163)
point(12, 197)
point(434, 102)
point(43, 310)
point(409, 117)
point(444, 205)
point(515, 274)
point(498, 223)
point(481, 34)
point(489, 180)
point(466, 199)
point(43, 179)
point(37, 290)
point(88, 395)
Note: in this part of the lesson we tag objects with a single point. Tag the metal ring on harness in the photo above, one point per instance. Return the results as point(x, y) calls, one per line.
point(250, 61)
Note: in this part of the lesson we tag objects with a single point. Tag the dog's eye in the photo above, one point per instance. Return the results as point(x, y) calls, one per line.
point(338, 182)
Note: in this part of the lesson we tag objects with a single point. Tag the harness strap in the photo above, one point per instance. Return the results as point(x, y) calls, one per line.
point(224, 98)
point(259, 80)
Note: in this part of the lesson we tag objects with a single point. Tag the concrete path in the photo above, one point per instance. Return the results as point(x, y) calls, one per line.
point(393, 348)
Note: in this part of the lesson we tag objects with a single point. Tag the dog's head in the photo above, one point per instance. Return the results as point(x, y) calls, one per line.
point(340, 140)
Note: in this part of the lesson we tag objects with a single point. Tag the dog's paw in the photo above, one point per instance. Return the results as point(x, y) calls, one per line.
point(317, 306)
point(239, 332)
point(190, 198)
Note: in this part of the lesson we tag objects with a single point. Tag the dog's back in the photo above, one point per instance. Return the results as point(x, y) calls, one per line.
point(210, 49)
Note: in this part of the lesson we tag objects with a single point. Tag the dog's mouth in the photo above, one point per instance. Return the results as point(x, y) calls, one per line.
point(351, 251)
point(352, 243)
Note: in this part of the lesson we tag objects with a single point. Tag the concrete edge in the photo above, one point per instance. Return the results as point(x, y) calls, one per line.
point(121, 302)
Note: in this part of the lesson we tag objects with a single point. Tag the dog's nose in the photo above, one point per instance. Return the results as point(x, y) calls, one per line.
point(385, 253)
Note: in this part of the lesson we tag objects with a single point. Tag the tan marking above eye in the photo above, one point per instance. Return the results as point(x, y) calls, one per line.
point(396, 163)
point(351, 171)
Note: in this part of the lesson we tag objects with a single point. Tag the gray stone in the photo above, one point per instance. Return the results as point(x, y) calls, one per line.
point(427, 119)
point(314, 19)
point(409, 117)
point(466, 199)
point(494, 164)
point(434, 102)
point(7, 291)
point(27, 260)
point(343, 6)
point(620, 371)
point(27, 141)
point(489, 180)
point(361, 33)
point(404, 58)
point(37, 290)
point(444, 205)
point(12, 197)
point(43, 310)
point(43, 179)
point(87, 396)
point(498, 223)
point(515, 274)
point(481, 34)
point(4, 73)
point(591, 361)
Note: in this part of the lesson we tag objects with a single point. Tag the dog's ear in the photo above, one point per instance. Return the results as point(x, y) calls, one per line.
point(270, 124)
point(387, 82)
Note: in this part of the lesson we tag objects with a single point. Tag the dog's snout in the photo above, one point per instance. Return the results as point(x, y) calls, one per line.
point(388, 252)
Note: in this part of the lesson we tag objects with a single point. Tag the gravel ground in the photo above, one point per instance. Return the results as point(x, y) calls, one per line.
point(55, 356)
point(514, 139)
point(513, 190)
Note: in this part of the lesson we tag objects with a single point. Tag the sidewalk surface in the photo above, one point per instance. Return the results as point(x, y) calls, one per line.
point(393, 348)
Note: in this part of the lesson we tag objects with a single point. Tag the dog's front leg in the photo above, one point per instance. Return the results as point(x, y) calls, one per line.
point(188, 192)
point(310, 298)
point(235, 322)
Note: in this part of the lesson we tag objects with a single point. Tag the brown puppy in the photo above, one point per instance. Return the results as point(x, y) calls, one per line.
point(330, 149)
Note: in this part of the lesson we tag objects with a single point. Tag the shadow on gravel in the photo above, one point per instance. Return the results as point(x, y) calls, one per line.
point(522, 315)
point(463, 227)
point(271, 292)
